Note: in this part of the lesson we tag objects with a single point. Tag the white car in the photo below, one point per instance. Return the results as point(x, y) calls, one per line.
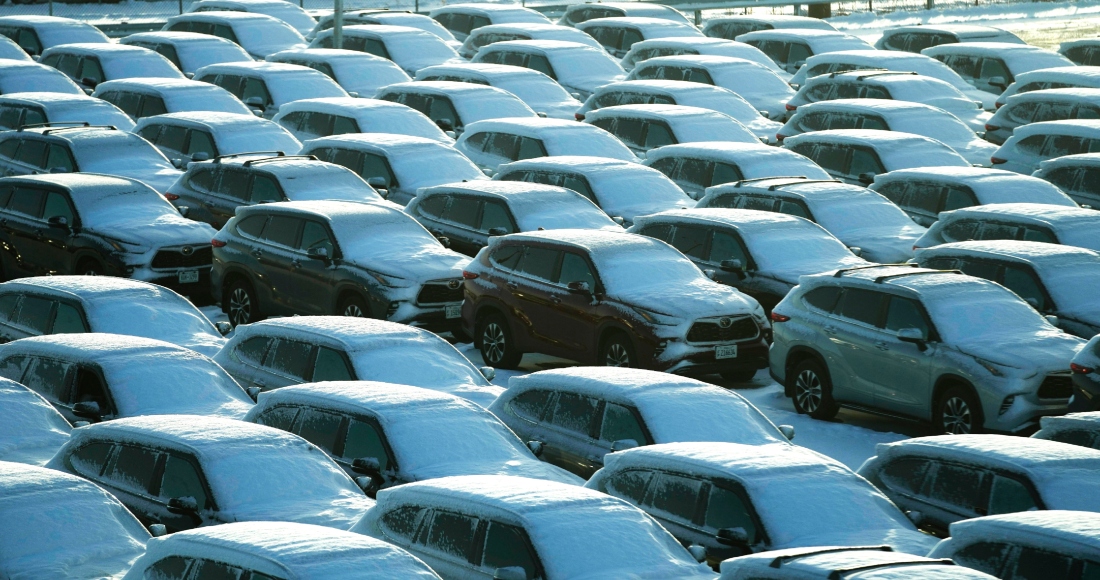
point(579, 69)
point(917, 38)
point(89, 64)
point(187, 471)
point(349, 349)
point(621, 189)
point(487, 35)
point(67, 527)
point(1073, 428)
point(1059, 77)
point(260, 35)
point(21, 77)
point(856, 156)
point(266, 86)
point(293, 15)
point(1034, 143)
point(644, 128)
point(35, 33)
point(857, 216)
point(757, 84)
point(576, 13)
point(313, 118)
point(359, 73)
point(618, 34)
point(462, 19)
point(410, 433)
point(686, 93)
point(388, 17)
point(9, 50)
point(1031, 222)
point(534, 88)
point(696, 167)
point(891, 115)
point(147, 97)
point(1077, 175)
point(264, 550)
point(453, 106)
point(730, 27)
point(33, 430)
point(1082, 51)
point(533, 529)
point(925, 192)
point(492, 143)
point(790, 47)
point(992, 66)
point(189, 51)
point(19, 109)
point(851, 563)
point(676, 46)
point(186, 137)
point(1039, 106)
point(410, 48)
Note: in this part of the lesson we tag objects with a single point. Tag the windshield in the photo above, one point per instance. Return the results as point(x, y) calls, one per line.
point(587, 140)
point(400, 120)
point(140, 64)
point(124, 151)
point(1074, 285)
point(428, 439)
point(195, 55)
point(38, 80)
point(100, 208)
point(165, 316)
point(940, 126)
point(639, 266)
point(729, 103)
point(430, 364)
point(288, 470)
point(802, 247)
point(328, 182)
point(259, 137)
point(846, 215)
point(432, 167)
point(295, 87)
point(171, 382)
point(548, 210)
point(53, 36)
point(93, 111)
point(425, 47)
point(589, 62)
point(986, 310)
point(754, 80)
point(703, 414)
point(533, 89)
point(639, 185)
point(278, 34)
point(922, 92)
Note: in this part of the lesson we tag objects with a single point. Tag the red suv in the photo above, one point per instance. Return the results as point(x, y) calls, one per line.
point(609, 298)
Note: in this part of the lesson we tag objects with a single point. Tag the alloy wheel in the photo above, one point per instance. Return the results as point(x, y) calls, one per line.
point(240, 306)
point(353, 310)
point(493, 343)
point(957, 418)
point(807, 390)
point(617, 356)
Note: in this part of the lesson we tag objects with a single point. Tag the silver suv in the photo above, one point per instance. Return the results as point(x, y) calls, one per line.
point(931, 345)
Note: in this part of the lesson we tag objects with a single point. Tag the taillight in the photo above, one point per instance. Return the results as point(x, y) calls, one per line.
point(998, 105)
point(578, 116)
point(780, 136)
point(989, 127)
point(171, 196)
point(468, 275)
point(777, 317)
point(217, 243)
point(791, 107)
point(998, 160)
point(1079, 369)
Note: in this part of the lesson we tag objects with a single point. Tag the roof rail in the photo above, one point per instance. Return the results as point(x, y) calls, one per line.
point(57, 124)
point(755, 179)
point(780, 560)
point(778, 185)
point(882, 279)
point(246, 153)
point(54, 127)
point(879, 73)
point(844, 271)
point(836, 574)
point(833, 75)
point(251, 162)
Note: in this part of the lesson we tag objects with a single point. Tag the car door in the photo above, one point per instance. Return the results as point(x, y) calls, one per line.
point(446, 542)
point(312, 269)
point(181, 479)
point(574, 312)
point(621, 424)
point(32, 316)
point(459, 222)
point(50, 377)
point(531, 409)
point(532, 290)
point(365, 439)
point(53, 233)
point(275, 253)
point(902, 377)
point(727, 244)
point(570, 434)
point(286, 362)
point(21, 155)
point(129, 474)
point(853, 330)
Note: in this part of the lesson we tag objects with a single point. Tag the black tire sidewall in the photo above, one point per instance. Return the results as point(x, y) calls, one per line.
point(977, 417)
point(622, 339)
point(253, 304)
point(827, 409)
point(510, 357)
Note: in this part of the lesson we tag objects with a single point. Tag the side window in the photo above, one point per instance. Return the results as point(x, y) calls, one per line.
point(182, 479)
point(1035, 564)
point(89, 460)
point(265, 189)
point(201, 142)
point(255, 88)
point(530, 148)
point(958, 198)
point(666, 165)
point(452, 534)
point(49, 378)
point(531, 405)
point(320, 428)
point(727, 509)
point(463, 211)
point(343, 125)
point(507, 257)
point(34, 314)
point(1079, 437)
point(68, 319)
point(315, 236)
point(1022, 281)
point(574, 268)
point(906, 474)
point(1038, 234)
point(508, 547)
point(374, 166)
point(203, 180)
point(630, 485)
point(13, 367)
point(432, 206)
point(495, 215)
point(211, 570)
point(996, 231)
point(579, 184)
point(1064, 177)
point(905, 313)
point(865, 161)
point(861, 305)
point(1009, 495)
point(824, 298)
point(1032, 144)
point(331, 365)
point(401, 522)
point(658, 135)
point(986, 557)
point(831, 158)
point(281, 417)
point(58, 158)
point(8, 147)
point(57, 205)
point(958, 486)
point(90, 69)
point(290, 358)
point(676, 496)
point(575, 413)
point(233, 183)
point(31, 152)
point(133, 468)
point(960, 230)
point(726, 246)
point(691, 241)
point(477, 141)
point(621, 423)
point(282, 230)
point(365, 440)
point(170, 568)
point(662, 232)
point(152, 106)
point(503, 145)
point(540, 263)
point(253, 349)
point(318, 123)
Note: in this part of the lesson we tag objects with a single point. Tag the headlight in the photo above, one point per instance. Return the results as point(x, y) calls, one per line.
point(760, 316)
point(125, 247)
point(656, 317)
point(995, 369)
point(390, 281)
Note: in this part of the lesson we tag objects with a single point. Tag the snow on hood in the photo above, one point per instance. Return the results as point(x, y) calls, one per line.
point(149, 219)
point(129, 156)
point(32, 430)
point(151, 312)
point(408, 248)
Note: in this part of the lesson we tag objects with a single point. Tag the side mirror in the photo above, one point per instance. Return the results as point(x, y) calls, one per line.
point(618, 219)
point(184, 210)
point(58, 221)
point(698, 552)
point(866, 178)
point(535, 447)
point(998, 82)
point(581, 288)
point(914, 336)
point(623, 445)
point(377, 182)
point(77, 424)
point(89, 82)
point(733, 537)
point(58, 170)
point(444, 240)
point(488, 372)
point(223, 327)
point(189, 75)
point(488, 172)
point(183, 506)
point(369, 485)
point(498, 231)
point(367, 466)
point(157, 530)
point(765, 114)
point(541, 114)
point(318, 254)
point(710, 273)
point(915, 517)
point(353, 94)
point(87, 409)
point(858, 251)
point(253, 392)
point(1053, 320)
point(255, 102)
point(445, 124)
point(510, 573)
point(732, 266)
point(178, 163)
point(787, 431)
point(576, 95)
point(200, 156)
point(451, 134)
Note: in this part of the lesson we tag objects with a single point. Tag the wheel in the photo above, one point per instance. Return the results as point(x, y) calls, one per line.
point(242, 307)
point(617, 351)
point(494, 340)
point(813, 390)
point(89, 267)
point(739, 376)
point(958, 411)
point(354, 306)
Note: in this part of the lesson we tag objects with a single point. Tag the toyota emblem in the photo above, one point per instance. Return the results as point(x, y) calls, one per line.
point(453, 284)
point(725, 322)
point(187, 250)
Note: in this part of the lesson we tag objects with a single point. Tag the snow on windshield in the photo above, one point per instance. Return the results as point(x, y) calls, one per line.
point(429, 439)
point(861, 211)
point(629, 268)
point(163, 316)
point(265, 136)
point(424, 47)
point(941, 126)
point(402, 121)
point(123, 152)
point(287, 88)
point(986, 311)
point(704, 413)
point(803, 248)
point(586, 62)
point(174, 382)
point(552, 210)
point(432, 364)
point(139, 64)
point(534, 89)
point(433, 166)
point(325, 181)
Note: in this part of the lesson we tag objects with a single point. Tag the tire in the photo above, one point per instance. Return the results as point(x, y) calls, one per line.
point(354, 306)
point(813, 390)
point(739, 376)
point(617, 351)
point(958, 411)
point(494, 340)
point(241, 304)
point(89, 267)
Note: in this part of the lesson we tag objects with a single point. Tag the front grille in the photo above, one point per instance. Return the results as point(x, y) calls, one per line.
point(165, 259)
point(1056, 387)
point(439, 292)
point(714, 331)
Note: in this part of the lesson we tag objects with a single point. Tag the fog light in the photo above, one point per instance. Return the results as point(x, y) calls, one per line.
point(392, 308)
point(1007, 404)
point(661, 346)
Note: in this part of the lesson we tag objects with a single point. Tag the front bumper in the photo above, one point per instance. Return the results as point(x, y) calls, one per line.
point(1022, 415)
point(697, 360)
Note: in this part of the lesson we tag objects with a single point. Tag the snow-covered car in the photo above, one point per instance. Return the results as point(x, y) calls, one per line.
point(327, 348)
point(409, 48)
point(492, 143)
point(576, 13)
point(963, 353)
point(9, 50)
point(189, 51)
point(618, 34)
point(148, 97)
point(851, 563)
point(644, 128)
point(856, 156)
point(1082, 51)
point(1051, 543)
point(925, 192)
point(263, 550)
point(68, 304)
point(534, 88)
point(757, 84)
point(17, 76)
point(1074, 428)
point(90, 376)
point(621, 189)
point(359, 73)
point(462, 19)
point(186, 471)
point(313, 118)
point(1030, 222)
point(454, 105)
point(89, 64)
point(945, 478)
point(293, 15)
point(1040, 106)
point(676, 46)
point(534, 529)
point(1086, 382)
point(469, 213)
point(899, 86)
point(32, 430)
point(790, 47)
point(735, 499)
point(919, 37)
point(396, 165)
point(396, 434)
point(992, 66)
point(891, 115)
point(584, 414)
point(696, 167)
point(863, 220)
point(260, 35)
point(730, 27)
point(1059, 77)
point(36, 33)
point(19, 109)
point(67, 527)
point(1077, 175)
point(849, 60)
point(1034, 143)
point(213, 190)
point(761, 253)
point(579, 69)
point(265, 86)
point(186, 137)
point(486, 35)
point(389, 17)
point(1053, 278)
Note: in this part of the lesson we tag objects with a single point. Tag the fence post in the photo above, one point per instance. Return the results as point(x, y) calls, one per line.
point(930, 4)
point(181, 6)
point(51, 7)
point(337, 23)
point(698, 17)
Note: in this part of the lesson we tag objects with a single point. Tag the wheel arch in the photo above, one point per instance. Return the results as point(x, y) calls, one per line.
point(796, 355)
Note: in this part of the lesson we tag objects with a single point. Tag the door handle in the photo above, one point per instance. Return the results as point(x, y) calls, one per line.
point(830, 330)
point(881, 345)
point(257, 252)
point(512, 286)
point(555, 300)
point(260, 384)
point(295, 264)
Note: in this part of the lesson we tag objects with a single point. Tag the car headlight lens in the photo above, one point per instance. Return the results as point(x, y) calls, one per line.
point(760, 316)
point(390, 281)
point(656, 317)
point(995, 369)
point(125, 247)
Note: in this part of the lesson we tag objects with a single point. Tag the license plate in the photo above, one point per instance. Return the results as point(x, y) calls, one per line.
point(188, 276)
point(453, 310)
point(725, 351)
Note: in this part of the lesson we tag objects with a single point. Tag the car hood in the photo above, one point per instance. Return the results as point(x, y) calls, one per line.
point(158, 179)
point(339, 514)
point(885, 245)
point(36, 452)
point(164, 230)
point(693, 301)
point(588, 83)
point(901, 540)
point(204, 344)
point(563, 110)
point(533, 469)
point(1047, 352)
point(978, 151)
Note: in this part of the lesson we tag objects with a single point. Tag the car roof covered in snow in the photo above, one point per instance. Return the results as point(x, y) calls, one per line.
point(1075, 127)
point(485, 70)
point(665, 86)
point(964, 30)
point(784, 20)
point(381, 31)
point(529, 500)
point(1088, 420)
point(330, 55)
point(104, 349)
point(550, 130)
point(229, 17)
point(989, 185)
point(1060, 218)
point(881, 106)
point(158, 85)
point(486, 8)
point(745, 220)
point(1068, 73)
point(257, 68)
point(538, 45)
point(180, 38)
point(508, 190)
point(991, 49)
point(87, 288)
point(855, 563)
point(659, 112)
point(708, 61)
point(389, 144)
point(101, 49)
point(747, 156)
point(353, 334)
point(1045, 257)
point(88, 184)
point(819, 39)
point(896, 148)
point(883, 77)
point(1062, 531)
point(717, 459)
point(218, 123)
point(55, 100)
point(330, 210)
point(1072, 94)
point(32, 430)
point(812, 191)
point(345, 105)
point(646, 23)
point(388, 401)
point(1084, 159)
